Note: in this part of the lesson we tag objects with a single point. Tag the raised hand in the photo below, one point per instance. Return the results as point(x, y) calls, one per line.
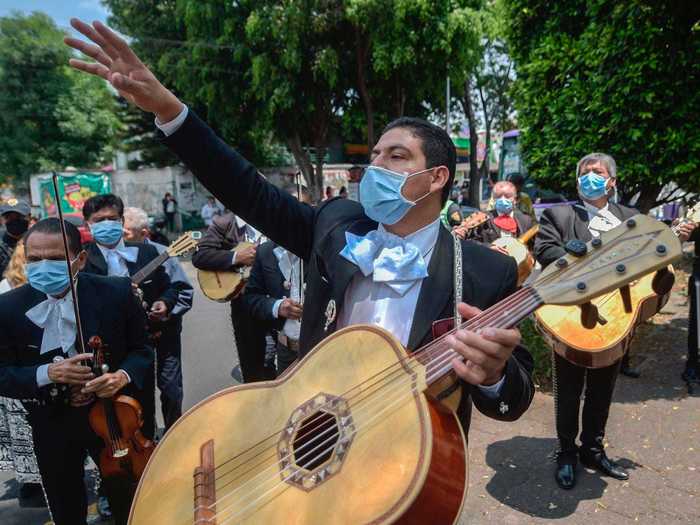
point(119, 65)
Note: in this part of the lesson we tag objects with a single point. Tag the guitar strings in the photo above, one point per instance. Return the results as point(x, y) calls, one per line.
point(451, 353)
point(444, 358)
point(413, 391)
point(426, 351)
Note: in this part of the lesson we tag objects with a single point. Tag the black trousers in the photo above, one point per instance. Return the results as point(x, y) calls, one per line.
point(569, 380)
point(62, 441)
point(693, 342)
point(285, 357)
point(250, 343)
point(169, 371)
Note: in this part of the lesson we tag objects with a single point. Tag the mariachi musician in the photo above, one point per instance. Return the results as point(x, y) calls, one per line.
point(382, 261)
point(218, 251)
point(39, 364)
point(274, 293)
point(110, 255)
point(596, 179)
point(506, 218)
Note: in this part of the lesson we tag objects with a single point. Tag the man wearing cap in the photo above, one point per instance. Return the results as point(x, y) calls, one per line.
point(15, 217)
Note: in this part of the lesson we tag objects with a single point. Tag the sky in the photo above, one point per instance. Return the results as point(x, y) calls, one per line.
point(60, 10)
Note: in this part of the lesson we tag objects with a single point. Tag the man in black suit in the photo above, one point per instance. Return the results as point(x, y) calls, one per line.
point(596, 174)
point(402, 193)
point(39, 365)
point(110, 256)
point(688, 231)
point(506, 218)
point(272, 295)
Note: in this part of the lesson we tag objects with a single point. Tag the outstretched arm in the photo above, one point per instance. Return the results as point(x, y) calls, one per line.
point(230, 178)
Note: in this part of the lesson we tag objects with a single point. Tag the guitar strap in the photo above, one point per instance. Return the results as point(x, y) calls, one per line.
point(457, 278)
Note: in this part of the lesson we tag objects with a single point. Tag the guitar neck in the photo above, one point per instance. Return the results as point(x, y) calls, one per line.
point(147, 270)
point(525, 237)
point(437, 356)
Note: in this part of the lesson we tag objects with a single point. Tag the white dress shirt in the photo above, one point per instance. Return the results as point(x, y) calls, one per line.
point(600, 219)
point(117, 258)
point(290, 267)
point(367, 302)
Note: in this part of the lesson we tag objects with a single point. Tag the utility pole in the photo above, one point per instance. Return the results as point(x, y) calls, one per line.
point(447, 106)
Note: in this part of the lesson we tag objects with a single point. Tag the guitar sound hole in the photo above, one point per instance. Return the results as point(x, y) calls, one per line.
point(315, 440)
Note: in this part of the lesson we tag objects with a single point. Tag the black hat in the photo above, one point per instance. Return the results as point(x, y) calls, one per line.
point(16, 206)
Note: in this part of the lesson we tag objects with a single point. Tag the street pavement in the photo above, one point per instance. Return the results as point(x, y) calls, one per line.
point(654, 430)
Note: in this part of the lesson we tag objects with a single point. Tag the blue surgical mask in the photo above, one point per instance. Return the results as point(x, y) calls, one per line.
point(107, 233)
point(48, 276)
point(381, 197)
point(592, 186)
point(504, 206)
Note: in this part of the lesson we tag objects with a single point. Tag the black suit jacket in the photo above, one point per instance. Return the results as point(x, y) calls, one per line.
point(108, 308)
point(317, 235)
point(491, 232)
point(265, 287)
point(156, 287)
point(560, 224)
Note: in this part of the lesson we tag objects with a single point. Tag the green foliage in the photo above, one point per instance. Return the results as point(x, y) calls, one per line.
point(300, 72)
point(50, 116)
point(618, 77)
point(541, 354)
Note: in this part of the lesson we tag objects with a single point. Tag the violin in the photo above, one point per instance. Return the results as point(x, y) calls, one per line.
point(118, 422)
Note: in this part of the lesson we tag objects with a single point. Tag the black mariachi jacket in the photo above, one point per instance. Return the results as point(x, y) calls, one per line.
point(560, 224)
point(108, 308)
point(317, 235)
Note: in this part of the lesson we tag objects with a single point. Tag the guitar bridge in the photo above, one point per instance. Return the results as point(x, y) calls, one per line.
point(205, 486)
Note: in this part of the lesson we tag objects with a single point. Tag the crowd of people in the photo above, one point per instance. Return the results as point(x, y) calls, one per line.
point(391, 260)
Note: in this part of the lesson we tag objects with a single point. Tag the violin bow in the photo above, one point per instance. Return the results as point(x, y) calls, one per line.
point(301, 261)
point(76, 309)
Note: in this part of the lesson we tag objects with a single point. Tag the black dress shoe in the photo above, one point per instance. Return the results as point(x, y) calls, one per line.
point(690, 375)
point(629, 372)
point(566, 475)
point(600, 462)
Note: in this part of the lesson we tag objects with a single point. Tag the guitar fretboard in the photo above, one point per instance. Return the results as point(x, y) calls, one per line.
point(147, 270)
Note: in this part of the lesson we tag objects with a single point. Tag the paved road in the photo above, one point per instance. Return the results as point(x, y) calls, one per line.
point(654, 429)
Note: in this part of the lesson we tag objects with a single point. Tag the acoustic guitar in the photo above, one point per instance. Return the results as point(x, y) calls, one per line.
point(596, 336)
point(351, 434)
point(223, 286)
point(517, 248)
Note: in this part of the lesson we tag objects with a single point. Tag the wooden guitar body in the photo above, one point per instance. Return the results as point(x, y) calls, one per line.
point(605, 343)
point(313, 447)
point(224, 286)
point(518, 251)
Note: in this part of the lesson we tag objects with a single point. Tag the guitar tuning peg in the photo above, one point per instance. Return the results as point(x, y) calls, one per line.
point(626, 298)
point(662, 282)
point(576, 248)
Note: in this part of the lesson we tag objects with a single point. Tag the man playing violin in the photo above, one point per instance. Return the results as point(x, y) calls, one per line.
point(386, 261)
point(40, 363)
point(596, 180)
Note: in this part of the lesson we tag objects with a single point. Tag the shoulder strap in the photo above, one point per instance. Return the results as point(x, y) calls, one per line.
point(457, 268)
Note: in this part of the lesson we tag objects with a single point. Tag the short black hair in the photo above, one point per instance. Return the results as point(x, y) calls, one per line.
point(52, 226)
point(98, 202)
point(436, 144)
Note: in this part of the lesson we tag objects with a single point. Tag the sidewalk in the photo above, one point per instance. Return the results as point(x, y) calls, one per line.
point(653, 430)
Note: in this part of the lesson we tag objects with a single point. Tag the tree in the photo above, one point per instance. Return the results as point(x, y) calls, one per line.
point(617, 77)
point(40, 126)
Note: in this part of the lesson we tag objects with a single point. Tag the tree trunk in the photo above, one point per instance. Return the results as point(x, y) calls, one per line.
point(362, 50)
point(304, 162)
point(648, 197)
point(474, 176)
point(318, 174)
point(486, 164)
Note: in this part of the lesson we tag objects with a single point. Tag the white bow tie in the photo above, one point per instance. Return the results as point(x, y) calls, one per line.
point(57, 319)
point(115, 255)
